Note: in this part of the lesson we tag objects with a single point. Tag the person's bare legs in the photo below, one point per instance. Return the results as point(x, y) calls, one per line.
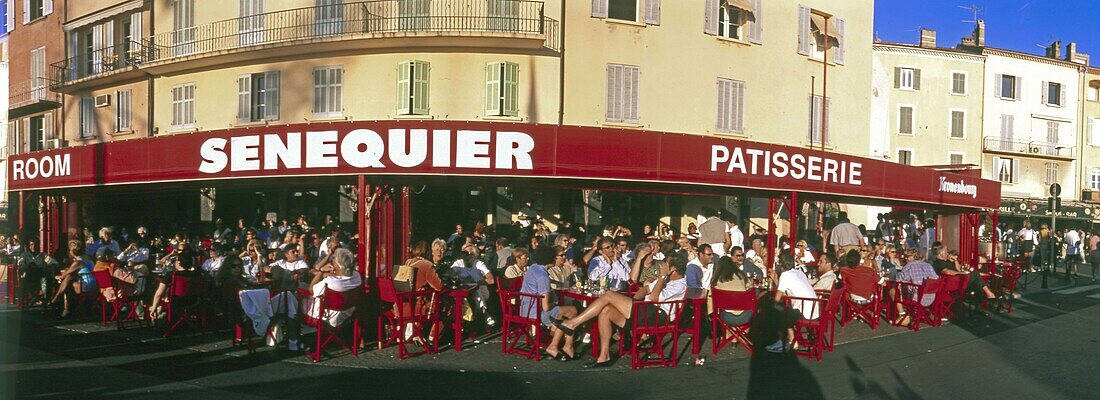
point(608, 316)
point(620, 302)
point(564, 312)
point(157, 296)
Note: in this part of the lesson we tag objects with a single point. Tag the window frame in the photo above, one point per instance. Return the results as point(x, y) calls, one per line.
point(1094, 178)
point(732, 119)
point(912, 120)
point(724, 22)
point(1092, 91)
point(1057, 89)
point(628, 94)
point(903, 72)
point(417, 80)
point(501, 94)
point(1015, 96)
point(898, 152)
point(124, 111)
point(86, 124)
point(814, 132)
point(639, 6)
point(965, 83)
point(960, 154)
point(951, 123)
point(1014, 170)
point(333, 91)
point(1051, 172)
point(183, 108)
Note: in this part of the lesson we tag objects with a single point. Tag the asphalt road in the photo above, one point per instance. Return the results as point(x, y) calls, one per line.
point(1046, 349)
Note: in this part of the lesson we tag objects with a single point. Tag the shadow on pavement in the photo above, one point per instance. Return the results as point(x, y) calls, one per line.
point(866, 389)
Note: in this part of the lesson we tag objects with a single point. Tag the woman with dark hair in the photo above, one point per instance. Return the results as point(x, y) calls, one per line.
point(727, 276)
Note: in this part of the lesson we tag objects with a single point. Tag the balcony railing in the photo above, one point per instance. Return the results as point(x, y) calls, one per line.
point(30, 92)
point(348, 20)
point(1030, 148)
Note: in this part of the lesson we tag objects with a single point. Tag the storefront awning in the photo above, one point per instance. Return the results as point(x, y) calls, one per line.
point(499, 150)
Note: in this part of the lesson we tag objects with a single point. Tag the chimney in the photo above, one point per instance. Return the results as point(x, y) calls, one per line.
point(927, 38)
point(1055, 50)
point(979, 33)
point(1071, 51)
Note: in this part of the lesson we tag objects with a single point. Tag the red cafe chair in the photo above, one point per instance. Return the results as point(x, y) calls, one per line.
point(104, 280)
point(186, 300)
point(917, 301)
point(951, 293)
point(723, 334)
point(867, 312)
point(814, 336)
point(649, 319)
point(1003, 286)
point(521, 325)
point(331, 300)
point(418, 309)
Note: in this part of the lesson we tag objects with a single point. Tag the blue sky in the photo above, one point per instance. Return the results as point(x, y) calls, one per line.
point(1020, 25)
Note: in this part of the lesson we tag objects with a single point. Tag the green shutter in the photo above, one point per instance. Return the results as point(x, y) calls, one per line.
point(404, 86)
point(420, 88)
point(492, 88)
point(511, 89)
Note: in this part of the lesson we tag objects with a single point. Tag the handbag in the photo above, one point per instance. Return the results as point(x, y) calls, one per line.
point(405, 279)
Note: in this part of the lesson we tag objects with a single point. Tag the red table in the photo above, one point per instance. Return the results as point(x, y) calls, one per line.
point(458, 294)
point(593, 329)
point(698, 300)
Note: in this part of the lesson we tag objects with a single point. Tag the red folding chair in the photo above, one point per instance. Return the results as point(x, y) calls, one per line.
point(408, 310)
point(723, 334)
point(814, 336)
point(186, 300)
point(1003, 286)
point(13, 284)
point(513, 284)
point(521, 327)
point(331, 300)
point(867, 312)
point(952, 291)
point(122, 299)
point(649, 319)
point(917, 301)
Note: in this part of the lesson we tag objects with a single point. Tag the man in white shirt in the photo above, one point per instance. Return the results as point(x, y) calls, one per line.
point(1072, 240)
point(470, 269)
point(334, 235)
point(214, 263)
point(737, 238)
point(607, 264)
point(793, 283)
point(845, 235)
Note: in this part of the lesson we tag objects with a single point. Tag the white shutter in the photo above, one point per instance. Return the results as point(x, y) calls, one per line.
point(804, 30)
point(109, 43)
point(97, 44)
point(653, 12)
point(47, 7)
point(404, 88)
point(1016, 94)
point(271, 95)
point(492, 88)
point(632, 95)
point(739, 107)
point(124, 107)
point(244, 98)
point(10, 20)
point(997, 85)
point(722, 121)
point(135, 27)
point(1094, 131)
point(511, 89)
point(47, 128)
point(599, 8)
point(1062, 95)
point(26, 11)
point(828, 110)
point(25, 143)
point(710, 20)
point(756, 26)
point(838, 54)
point(814, 120)
point(420, 87)
point(1046, 89)
point(1015, 163)
point(614, 93)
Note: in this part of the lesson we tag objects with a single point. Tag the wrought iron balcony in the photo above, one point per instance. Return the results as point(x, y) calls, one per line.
point(31, 96)
point(359, 20)
point(1038, 149)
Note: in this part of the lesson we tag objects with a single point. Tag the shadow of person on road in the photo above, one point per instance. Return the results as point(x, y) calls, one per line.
point(867, 389)
point(776, 375)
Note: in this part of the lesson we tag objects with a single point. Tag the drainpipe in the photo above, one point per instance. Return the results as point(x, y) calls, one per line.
point(561, 67)
point(149, 120)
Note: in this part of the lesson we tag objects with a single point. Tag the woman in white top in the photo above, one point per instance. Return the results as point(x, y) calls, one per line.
point(339, 276)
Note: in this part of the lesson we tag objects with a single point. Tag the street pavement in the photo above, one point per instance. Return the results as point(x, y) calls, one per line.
point(1045, 349)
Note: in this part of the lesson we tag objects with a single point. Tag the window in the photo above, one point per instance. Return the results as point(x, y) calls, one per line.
point(251, 22)
point(955, 158)
point(1052, 132)
point(183, 106)
point(1006, 170)
point(413, 15)
point(412, 88)
point(1094, 179)
point(87, 117)
point(503, 15)
point(622, 93)
point(1053, 94)
point(905, 156)
point(907, 78)
point(958, 83)
point(328, 92)
point(1092, 93)
point(1093, 131)
point(258, 97)
point(818, 33)
point(730, 21)
point(38, 73)
point(958, 124)
point(815, 120)
point(731, 106)
point(1008, 87)
point(905, 120)
point(183, 27)
point(330, 18)
point(502, 89)
point(626, 10)
point(1051, 173)
point(123, 105)
point(14, 142)
point(35, 9)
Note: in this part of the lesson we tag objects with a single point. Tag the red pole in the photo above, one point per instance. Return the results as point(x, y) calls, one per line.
point(22, 199)
point(771, 235)
point(793, 212)
point(406, 222)
point(995, 239)
point(361, 191)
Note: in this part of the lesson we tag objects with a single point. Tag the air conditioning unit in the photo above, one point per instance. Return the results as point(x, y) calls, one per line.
point(103, 100)
point(1090, 195)
point(52, 144)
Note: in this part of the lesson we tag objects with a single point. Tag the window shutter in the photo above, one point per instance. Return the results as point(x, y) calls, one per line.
point(421, 71)
point(97, 44)
point(492, 89)
point(1046, 90)
point(803, 30)
point(813, 123)
point(916, 79)
point(24, 142)
point(614, 93)
point(244, 98)
point(653, 12)
point(710, 20)
point(997, 86)
point(828, 109)
point(632, 94)
point(511, 89)
point(1061, 95)
point(271, 95)
point(404, 88)
point(838, 54)
point(722, 121)
point(1016, 88)
point(26, 11)
point(108, 40)
point(47, 128)
point(897, 77)
point(47, 7)
point(10, 20)
point(1015, 162)
point(599, 8)
point(136, 31)
point(1094, 131)
point(756, 26)
point(124, 104)
point(739, 107)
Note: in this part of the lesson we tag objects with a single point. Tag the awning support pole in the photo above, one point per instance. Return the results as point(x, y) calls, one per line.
point(793, 210)
point(361, 190)
point(995, 239)
point(771, 235)
point(406, 222)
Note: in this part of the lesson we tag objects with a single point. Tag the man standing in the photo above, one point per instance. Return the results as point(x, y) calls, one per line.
point(845, 235)
point(737, 238)
point(927, 238)
point(713, 232)
point(1094, 253)
point(1072, 240)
